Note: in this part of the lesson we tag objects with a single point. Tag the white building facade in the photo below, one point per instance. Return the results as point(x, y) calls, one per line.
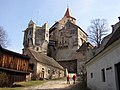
point(103, 69)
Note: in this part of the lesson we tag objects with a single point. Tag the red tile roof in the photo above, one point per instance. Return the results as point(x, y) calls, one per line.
point(68, 15)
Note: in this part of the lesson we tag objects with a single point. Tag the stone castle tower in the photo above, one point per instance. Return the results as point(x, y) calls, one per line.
point(61, 42)
point(65, 38)
point(36, 38)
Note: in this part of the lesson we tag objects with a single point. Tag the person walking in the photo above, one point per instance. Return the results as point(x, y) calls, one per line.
point(74, 78)
point(68, 79)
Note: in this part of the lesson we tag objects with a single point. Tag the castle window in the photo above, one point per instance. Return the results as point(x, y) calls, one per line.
point(69, 26)
point(65, 41)
point(29, 32)
point(72, 31)
point(48, 71)
point(37, 48)
point(46, 35)
point(31, 40)
point(91, 75)
point(60, 43)
point(103, 74)
point(42, 69)
point(53, 72)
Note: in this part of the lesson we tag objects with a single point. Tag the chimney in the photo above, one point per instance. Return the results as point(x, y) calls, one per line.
point(112, 28)
point(119, 18)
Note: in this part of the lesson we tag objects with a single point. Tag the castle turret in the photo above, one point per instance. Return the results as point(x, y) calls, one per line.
point(36, 38)
point(67, 17)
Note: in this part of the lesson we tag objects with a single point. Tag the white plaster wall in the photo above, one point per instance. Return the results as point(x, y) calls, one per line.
point(109, 58)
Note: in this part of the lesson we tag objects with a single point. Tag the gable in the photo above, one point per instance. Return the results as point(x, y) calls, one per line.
point(76, 27)
point(28, 53)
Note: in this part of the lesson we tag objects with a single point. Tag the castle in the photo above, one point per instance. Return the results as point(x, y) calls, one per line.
point(65, 41)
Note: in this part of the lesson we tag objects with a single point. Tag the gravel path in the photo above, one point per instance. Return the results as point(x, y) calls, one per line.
point(52, 85)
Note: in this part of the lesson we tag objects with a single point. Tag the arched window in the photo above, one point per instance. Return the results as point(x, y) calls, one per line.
point(37, 48)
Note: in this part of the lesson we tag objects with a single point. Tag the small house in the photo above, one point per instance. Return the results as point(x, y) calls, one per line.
point(44, 67)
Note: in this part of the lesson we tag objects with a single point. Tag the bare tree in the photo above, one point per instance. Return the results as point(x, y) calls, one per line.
point(3, 37)
point(97, 30)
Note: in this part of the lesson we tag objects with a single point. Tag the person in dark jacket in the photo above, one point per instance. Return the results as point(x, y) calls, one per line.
point(68, 79)
point(74, 78)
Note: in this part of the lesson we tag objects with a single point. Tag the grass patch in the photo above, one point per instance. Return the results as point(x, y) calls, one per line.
point(10, 88)
point(21, 85)
point(30, 83)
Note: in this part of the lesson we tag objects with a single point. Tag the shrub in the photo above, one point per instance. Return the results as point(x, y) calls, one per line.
point(3, 79)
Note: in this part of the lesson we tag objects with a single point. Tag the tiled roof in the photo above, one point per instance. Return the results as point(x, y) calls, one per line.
point(115, 36)
point(40, 57)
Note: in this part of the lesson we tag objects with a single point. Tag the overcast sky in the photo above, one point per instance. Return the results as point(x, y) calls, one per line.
point(16, 14)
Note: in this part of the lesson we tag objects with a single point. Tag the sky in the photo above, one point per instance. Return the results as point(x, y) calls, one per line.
point(16, 14)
